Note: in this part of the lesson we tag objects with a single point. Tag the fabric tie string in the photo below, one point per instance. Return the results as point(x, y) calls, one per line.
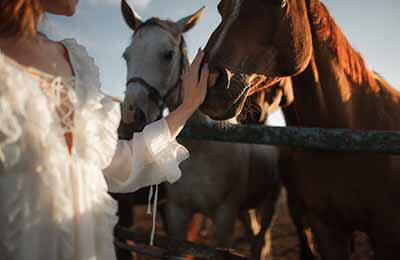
point(153, 228)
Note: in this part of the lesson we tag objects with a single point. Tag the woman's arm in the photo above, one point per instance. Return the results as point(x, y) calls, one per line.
point(153, 155)
point(194, 94)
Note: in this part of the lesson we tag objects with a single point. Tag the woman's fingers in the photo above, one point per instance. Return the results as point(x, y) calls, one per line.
point(204, 76)
point(197, 60)
point(193, 71)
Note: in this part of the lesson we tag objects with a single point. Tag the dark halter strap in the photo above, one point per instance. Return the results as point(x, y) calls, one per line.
point(154, 94)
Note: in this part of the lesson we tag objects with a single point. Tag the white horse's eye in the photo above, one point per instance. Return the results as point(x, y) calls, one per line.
point(168, 55)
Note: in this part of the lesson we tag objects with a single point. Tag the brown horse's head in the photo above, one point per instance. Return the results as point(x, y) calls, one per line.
point(257, 43)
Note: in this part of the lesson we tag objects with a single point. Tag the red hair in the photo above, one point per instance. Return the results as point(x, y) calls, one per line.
point(19, 17)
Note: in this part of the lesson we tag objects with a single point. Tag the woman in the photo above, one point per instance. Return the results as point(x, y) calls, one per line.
point(58, 142)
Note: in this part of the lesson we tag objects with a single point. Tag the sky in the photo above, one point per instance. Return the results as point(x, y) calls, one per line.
point(371, 26)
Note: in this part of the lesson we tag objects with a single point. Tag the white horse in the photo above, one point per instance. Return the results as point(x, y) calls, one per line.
point(220, 180)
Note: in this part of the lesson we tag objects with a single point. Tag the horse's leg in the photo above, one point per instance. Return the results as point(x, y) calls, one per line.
point(333, 244)
point(178, 221)
point(224, 220)
point(297, 214)
point(262, 247)
point(246, 219)
point(296, 209)
point(125, 220)
point(162, 210)
point(194, 228)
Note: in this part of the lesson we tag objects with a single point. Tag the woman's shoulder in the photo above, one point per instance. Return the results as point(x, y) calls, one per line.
point(21, 102)
point(76, 48)
point(14, 76)
point(84, 65)
point(7, 66)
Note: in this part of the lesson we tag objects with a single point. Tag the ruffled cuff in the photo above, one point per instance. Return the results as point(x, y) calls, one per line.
point(164, 150)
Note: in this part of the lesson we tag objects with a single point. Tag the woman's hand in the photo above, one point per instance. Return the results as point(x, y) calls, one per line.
point(194, 94)
point(194, 89)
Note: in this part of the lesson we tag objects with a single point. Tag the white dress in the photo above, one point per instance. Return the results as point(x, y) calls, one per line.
point(53, 200)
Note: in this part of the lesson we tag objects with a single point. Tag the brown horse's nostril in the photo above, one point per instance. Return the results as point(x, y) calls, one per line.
point(212, 79)
point(213, 76)
point(229, 74)
point(219, 77)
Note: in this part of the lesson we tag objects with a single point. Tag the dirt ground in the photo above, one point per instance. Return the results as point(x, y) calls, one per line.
point(284, 243)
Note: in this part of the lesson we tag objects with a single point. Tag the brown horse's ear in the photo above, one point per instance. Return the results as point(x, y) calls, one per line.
point(131, 18)
point(187, 23)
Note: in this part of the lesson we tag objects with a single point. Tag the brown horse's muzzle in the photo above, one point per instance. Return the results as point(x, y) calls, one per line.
point(224, 94)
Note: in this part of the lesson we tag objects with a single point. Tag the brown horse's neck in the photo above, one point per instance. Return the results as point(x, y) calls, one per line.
point(309, 96)
point(336, 89)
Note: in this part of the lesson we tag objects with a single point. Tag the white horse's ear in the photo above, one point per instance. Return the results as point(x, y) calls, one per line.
point(132, 19)
point(187, 23)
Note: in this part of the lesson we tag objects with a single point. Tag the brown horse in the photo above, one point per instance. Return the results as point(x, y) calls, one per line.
point(261, 42)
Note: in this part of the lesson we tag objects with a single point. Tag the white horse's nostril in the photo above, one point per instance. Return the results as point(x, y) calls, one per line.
point(128, 114)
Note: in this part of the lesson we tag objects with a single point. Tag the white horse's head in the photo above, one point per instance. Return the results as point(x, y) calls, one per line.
point(156, 60)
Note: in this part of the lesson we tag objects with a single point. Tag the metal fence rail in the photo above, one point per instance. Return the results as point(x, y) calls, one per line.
point(344, 140)
point(169, 248)
point(339, 140)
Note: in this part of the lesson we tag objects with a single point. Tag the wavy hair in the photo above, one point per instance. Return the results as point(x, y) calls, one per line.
point(18, 17)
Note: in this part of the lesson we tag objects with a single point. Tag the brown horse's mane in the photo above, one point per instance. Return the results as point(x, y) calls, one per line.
point(330, 35)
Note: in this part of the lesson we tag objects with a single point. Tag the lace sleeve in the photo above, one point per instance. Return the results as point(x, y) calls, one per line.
point(151, 157)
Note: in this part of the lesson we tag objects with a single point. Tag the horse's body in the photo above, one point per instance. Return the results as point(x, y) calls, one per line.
point(220, 180)
point(223, 181)
point(336, 193)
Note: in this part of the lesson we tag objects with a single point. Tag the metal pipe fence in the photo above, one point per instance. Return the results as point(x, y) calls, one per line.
point(320, 139)
point(339, 140)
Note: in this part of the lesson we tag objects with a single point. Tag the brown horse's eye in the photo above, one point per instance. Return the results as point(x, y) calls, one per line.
point(168, 55)
point(280, 3)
